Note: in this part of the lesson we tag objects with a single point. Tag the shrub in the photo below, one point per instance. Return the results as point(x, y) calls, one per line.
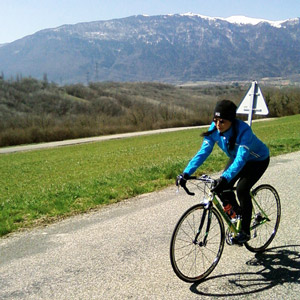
point(33, 111)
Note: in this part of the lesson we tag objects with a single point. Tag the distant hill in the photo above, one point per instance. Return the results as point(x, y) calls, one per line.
point(166, 48)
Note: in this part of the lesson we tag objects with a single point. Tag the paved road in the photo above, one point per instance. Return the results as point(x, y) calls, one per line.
point(31, 147)
point(5, 150)
point(122, 252)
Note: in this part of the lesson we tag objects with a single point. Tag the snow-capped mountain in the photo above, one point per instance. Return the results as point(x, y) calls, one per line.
point(168, 48)
point(242, 20)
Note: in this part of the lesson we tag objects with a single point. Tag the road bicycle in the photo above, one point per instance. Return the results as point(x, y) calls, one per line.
point(198, 238)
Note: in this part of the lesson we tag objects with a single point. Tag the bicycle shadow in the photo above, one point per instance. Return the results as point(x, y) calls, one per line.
point(277, 265)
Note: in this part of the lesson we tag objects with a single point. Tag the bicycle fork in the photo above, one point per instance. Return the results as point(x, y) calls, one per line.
point(206, 213)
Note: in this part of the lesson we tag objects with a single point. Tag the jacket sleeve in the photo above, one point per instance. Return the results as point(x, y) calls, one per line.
point(238, 163)
point(200, 157)
point(241, 157)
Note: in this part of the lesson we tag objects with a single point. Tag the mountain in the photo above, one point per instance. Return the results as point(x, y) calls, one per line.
point(166, 48)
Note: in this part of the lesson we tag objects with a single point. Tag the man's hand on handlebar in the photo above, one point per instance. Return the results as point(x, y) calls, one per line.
point(181, 181)
point(219, 185)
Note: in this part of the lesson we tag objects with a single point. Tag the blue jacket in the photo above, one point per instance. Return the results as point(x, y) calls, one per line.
point(247, 148)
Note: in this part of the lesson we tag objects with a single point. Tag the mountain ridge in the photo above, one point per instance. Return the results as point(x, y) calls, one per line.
point(168, 48)
point(240, 19)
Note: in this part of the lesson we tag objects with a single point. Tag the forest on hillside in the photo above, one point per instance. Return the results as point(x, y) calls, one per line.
point(33, 111)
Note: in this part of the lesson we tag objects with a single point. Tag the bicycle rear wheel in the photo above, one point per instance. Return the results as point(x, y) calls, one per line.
point(192, 260)
point(265, 218)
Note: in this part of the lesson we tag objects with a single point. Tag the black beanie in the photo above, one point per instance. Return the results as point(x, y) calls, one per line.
point(225, 109)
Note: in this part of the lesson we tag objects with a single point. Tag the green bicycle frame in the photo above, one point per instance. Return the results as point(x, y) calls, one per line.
point(233, 228)
point(254, 202)
point(236, 228)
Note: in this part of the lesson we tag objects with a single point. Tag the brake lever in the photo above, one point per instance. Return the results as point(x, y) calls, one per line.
point(185, 188)
point(188, 192)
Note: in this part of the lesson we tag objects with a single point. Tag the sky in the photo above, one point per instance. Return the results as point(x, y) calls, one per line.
point(19, 18)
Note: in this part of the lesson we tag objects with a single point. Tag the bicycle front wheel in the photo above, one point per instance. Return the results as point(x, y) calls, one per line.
point(194, 257)
point(265, 218)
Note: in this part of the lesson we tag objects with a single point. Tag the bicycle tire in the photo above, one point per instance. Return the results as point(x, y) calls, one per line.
point(192, 262)
point(268, 199)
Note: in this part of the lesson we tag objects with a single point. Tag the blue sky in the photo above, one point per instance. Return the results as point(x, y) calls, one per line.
point(19, 18)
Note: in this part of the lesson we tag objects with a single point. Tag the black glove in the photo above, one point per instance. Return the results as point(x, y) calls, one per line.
point(220, 185)
point(181, 179)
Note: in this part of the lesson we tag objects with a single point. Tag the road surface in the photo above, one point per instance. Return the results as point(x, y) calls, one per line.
point(5, 150)
point(12, 149)
point(122, 252)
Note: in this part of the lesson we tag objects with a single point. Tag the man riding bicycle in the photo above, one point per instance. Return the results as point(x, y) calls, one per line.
point(248, 160)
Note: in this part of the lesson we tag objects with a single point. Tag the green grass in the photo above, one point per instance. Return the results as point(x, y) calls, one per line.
point(41, 186)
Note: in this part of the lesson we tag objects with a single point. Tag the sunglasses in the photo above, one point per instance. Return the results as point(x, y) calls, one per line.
point(221, 121)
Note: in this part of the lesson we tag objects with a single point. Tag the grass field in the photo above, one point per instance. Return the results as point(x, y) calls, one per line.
point(42, 186)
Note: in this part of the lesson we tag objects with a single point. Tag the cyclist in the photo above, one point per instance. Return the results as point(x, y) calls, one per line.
point(248, 160)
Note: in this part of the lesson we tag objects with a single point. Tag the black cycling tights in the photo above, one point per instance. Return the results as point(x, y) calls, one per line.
point(246, 178)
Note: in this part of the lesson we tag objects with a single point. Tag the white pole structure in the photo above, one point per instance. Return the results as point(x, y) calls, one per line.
point(253, 97)
point(253, 102)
